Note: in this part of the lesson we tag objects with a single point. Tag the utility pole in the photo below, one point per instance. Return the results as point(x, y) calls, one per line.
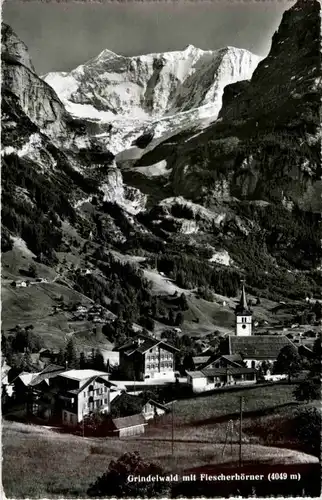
point(83, 426)
point(240, 430)
point(172, 439)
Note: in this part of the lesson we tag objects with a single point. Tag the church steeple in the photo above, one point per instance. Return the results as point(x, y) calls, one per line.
point(242, 307)
point(243, 315)
point(243, 300)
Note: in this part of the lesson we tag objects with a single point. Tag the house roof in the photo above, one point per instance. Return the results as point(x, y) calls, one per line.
point(124, 396)
point(147, 343)
point(232, 370)
point(195, 374)
point(81, 375)
point(26, 377)
point(89, 381)
point(35, 378)
point(258, 347)
point(158, 405)
point(132, 421)
point(200, 359)
point(49, 372)
point(235, 359)
point(5, 369)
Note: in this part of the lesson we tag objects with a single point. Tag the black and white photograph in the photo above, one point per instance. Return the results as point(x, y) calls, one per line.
point(161, 288)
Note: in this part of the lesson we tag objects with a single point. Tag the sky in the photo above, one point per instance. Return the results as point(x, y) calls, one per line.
point(61, 35)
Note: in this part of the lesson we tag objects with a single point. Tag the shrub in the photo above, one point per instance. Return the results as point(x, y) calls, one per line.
point(307, 424)
point(308, 390)
point(115, 482)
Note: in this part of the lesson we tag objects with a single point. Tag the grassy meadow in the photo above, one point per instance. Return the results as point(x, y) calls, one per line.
point(39, 462)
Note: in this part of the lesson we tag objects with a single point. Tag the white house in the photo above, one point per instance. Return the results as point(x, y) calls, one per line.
point(209, 379)
point(83, 392)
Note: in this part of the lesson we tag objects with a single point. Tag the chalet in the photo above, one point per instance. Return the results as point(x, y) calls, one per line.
point(81, 392)
point(128, 404)
point(128, 426)
point(65, 396)
point(209, 379)
point(145, 358)
point(256, 349)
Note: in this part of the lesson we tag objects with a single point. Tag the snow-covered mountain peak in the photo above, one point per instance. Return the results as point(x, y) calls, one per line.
point(163, 91)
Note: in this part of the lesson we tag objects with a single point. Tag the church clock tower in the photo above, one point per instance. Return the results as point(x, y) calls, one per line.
point(243, 316)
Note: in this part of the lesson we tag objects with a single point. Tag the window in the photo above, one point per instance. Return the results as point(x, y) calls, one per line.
point(65, 416)
point(105, 389)
point(244, 326)
point(148, 367)
point(105, 401)
point(71, 418)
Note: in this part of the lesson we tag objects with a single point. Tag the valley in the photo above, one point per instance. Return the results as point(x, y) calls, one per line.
point(161, 261)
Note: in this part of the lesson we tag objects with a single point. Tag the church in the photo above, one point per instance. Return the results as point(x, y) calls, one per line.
point(243, 355)
point(253, 349)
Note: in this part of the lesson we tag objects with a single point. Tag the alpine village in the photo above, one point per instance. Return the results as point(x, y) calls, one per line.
point(161, 287)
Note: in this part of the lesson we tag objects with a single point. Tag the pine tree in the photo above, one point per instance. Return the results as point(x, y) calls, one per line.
point(82, 361)
point(61, 358)
point(171, 317)
point(98, 363)
point(70, 355)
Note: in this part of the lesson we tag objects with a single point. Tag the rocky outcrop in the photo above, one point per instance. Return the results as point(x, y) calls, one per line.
point(114, 191)
point(13, 48)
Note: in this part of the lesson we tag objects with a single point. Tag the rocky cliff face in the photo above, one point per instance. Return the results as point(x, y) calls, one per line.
point(36, 98)
point(267, 142)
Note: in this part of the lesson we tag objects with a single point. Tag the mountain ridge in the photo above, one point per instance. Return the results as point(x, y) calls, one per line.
point(162, 92)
